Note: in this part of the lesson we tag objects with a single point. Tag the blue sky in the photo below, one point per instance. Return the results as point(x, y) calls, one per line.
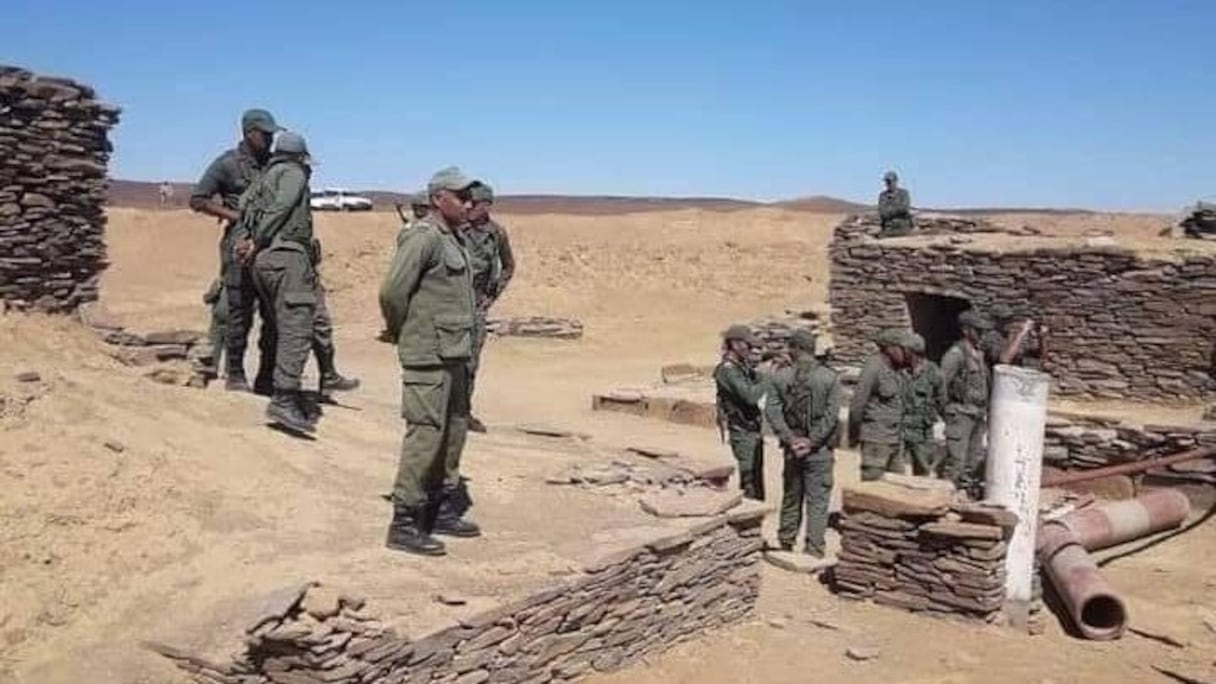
point(1102, 104)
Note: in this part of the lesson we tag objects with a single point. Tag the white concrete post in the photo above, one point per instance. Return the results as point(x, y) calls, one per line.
point(1016, 424)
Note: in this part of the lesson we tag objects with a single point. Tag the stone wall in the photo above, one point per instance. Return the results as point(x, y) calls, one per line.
point(1077, 442)
point(626, 604)
point(53, 155)
point(1123, 324)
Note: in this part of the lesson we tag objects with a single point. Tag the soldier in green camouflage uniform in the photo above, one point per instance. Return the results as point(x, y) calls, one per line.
point(965, 376)
point(740, 389)
point(276, 237)
point(228, 177)
point(1005, 344)
point(924, 399)
point(428, 306)
point(803, 409)
point(493, 266)
point(894, 207)
point(876, 411)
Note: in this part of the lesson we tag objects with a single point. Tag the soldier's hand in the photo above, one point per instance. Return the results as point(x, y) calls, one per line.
point(1027, 326)
point(244, 250)
point(801, 446)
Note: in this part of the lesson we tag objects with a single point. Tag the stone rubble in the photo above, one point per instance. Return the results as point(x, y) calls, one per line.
point(625, 605)
point(173, 357)
point(1124, 325)
point(914, 549)
point(1078, 442)
point(53, 155)
point(536, 326)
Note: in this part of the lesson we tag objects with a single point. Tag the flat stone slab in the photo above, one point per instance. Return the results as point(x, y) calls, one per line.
point(540, 430)
point(690, 503)
point(801, 563)
point(962, 530)
point(985, 514)
point(895, 501)
point(917, 482)
point(653, 452)
point(186, 337)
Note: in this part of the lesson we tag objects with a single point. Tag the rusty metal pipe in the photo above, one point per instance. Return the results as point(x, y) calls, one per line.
point(1111, 524)
point(1094, 607)
point(1126, 468)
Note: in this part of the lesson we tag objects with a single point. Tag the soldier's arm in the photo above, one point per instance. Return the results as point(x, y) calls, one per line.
point(952, 363)
point(1014, 348)
point(203, 197)
point(288, 186)
point(414, 252)
point(774, 409)
point(735, 381)
point(861, 397)
point(885, 210)
point(507, 257)
point(826, 425)
point(939, 394)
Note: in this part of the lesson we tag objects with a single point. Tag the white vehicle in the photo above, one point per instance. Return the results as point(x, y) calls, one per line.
point(333, 199)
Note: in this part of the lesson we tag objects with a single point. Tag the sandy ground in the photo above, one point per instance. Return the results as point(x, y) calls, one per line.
point(194, 502)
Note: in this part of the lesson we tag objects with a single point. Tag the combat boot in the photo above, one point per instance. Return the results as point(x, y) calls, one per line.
point(449, 515)
point(331, 379)
point(236, 382)
point(405, 533)
point(475, 425)
point(284, 410)
point(310, 406)
point(263, 384)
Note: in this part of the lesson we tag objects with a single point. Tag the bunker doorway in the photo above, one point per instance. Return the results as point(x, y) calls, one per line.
point(935, 318)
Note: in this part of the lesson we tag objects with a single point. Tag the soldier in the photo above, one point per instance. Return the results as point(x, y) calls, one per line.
point(965, 378)
point(999, 348)
point(217, 332)
point(166, 193)
point(277, 239)
point(428, 307)
point(803, 408)
point(894, 207)
point(923, 405)
point(876, 412)
point(419, 208)
point(493, 267)
point(228, 176)
point(740, 390)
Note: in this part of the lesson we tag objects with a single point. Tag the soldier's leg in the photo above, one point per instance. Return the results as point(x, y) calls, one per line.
point(479, 341)
point(750, 457)
point(897, 462)
point(268, 341)
point(958, 432)
point(977, 456)
point(455, 501)
point(792, 494)
point(217, 330)
point(874, 459)
point(819, 481)
point(286, 278)
point(920, 451)
point(237, 291)
point(425, 397)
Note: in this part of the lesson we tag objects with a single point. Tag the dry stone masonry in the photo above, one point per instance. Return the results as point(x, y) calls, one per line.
point(1076, 442)
point(1124, 323)
point(627, 604)
point(913, 547)
point(53, 156)
point(536, 326)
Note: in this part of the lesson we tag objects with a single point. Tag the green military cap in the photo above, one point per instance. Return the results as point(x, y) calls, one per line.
point(1001, 311)
point(889, 337)
point(890, 176)
point(259, 119)
point(913, 342)
point(290, 142)
point(741, 333)
point(803, 340)
point(420, 199)
point(972, 319)
point(482, 192)
point(450, 178)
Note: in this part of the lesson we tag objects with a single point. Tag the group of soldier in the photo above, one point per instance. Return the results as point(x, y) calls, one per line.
point(451, 262)
point(899, 398)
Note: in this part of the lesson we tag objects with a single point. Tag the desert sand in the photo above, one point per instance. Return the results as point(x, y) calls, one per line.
point(128, 509)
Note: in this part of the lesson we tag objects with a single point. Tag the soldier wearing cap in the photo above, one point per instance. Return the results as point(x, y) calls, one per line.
point(965, 378)
point(741, 388)
point(428, 306)
point(218, 194)
point(894, 207)
point(876, 411)
point(493, 266)
point(924, 399)
point(275, 237)
point(803, 409)
point(1000, 347)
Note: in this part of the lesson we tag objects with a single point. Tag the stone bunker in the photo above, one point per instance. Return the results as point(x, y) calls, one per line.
point(1134, 322)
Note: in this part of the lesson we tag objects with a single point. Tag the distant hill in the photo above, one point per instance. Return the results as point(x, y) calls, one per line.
point(144, 194)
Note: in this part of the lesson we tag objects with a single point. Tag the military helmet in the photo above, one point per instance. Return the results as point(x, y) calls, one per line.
point(420, 199)
point(482, 192)
point(742, 333)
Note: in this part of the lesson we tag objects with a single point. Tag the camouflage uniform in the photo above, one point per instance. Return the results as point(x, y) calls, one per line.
point(876, 413)
point(965, 376)
point(895, 209)
point(740, 389)
point(923, 405)
point(804, 402)
point(493, 266)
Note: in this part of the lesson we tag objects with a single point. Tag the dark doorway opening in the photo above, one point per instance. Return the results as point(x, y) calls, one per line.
point(935, 318)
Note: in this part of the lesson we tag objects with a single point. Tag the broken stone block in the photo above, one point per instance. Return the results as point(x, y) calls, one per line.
point(895, 501)
point(695, 502)
point(801, 563)
point(182, 337)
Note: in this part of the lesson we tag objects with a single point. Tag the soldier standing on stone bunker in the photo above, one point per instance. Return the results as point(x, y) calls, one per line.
point(894, 207)
point(740, 389)
point(227, 177)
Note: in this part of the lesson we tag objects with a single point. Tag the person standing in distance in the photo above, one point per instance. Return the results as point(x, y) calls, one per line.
point(493, 267)
point(741, 388)
point(894, 207)
point(428, 306)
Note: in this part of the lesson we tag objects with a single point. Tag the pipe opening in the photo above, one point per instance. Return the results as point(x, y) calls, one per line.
point(1103, 613)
